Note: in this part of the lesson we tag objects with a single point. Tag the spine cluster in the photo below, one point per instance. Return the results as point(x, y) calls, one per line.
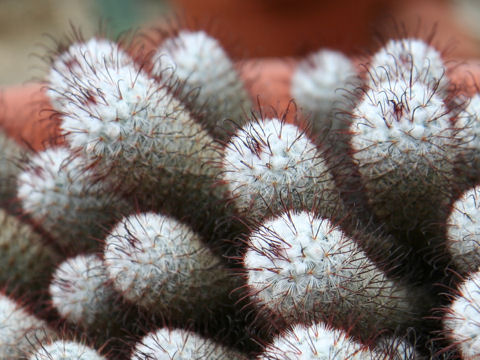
point(65, 350)
point(206, 78)
point(269, 165)
point(303, 268)
point(59, 193)
point(318, 341)
point(81, 293)
point(161, 264)
point(461, 321)
point(182, 345)
point(20, 331)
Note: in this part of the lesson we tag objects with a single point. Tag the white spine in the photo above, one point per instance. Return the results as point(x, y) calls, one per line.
point(207, 78)
point(20, 332)
point(462, 321)
point(303, 268)
point(65, 350)
point(161, 264)
point(80, 291)
point(315, 342)
point(270, 164)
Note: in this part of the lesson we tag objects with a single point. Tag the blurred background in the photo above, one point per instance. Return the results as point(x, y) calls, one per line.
point(250, 28)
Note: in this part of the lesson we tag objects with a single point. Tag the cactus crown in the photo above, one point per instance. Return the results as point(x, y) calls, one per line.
point(315, 342)
point(269, 163)
point(19, 330)
point(404, 116)
point(408, 59)
point(462, 321)
point(79, 291)
point(322, 79)
point(72, 70)
point(297, 262)
point(156, 260)
point(182, 345)
point(65, 350)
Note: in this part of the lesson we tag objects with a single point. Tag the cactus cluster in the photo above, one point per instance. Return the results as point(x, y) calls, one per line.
point(177, 221)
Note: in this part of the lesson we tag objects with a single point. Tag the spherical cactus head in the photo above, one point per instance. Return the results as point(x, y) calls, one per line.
point(67, 199)
point(324, 86)
point(65, 350)
point(289, 260)
point(405, 145)
point(182, 345)
point(303, 268)
point(80, 291)
point(404, 116)
point(188, 55)
point(20, 331)
point(159, 263)
point(198, 69)
point(315, 341)
point(408, 59)
point(72, 69)
point(463, 235)
point(462, 320)
point(269, 165)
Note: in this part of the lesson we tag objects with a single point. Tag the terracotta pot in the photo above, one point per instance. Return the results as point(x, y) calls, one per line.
point(261, 28)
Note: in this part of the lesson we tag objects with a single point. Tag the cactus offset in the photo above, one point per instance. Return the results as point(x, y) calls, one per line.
point(67, 200)
point(269, 165)
point(65, 350)
point(207, 80)
point(20, 331)
point(160, 264)
point(303, 268)
point(181, 345)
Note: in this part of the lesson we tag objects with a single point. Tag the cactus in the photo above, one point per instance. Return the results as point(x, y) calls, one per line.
point(152, 143)
point(81, 292)
point(65, 350)
point(207, 80)
point(19, 330)
point(461, 324)
point(469, 158)
point(67, 200)
point(182, 345)
point(72, 70)
point(303, 268)
point(12, 159)
point(316, 341)
point(463, 233)
point(134, 132)
point(160, 264)
point(405, 146)
point(269, 165)
point(325, 84)
point(410, 60)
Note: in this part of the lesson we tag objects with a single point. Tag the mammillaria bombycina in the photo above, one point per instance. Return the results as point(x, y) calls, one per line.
point(240, 237)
